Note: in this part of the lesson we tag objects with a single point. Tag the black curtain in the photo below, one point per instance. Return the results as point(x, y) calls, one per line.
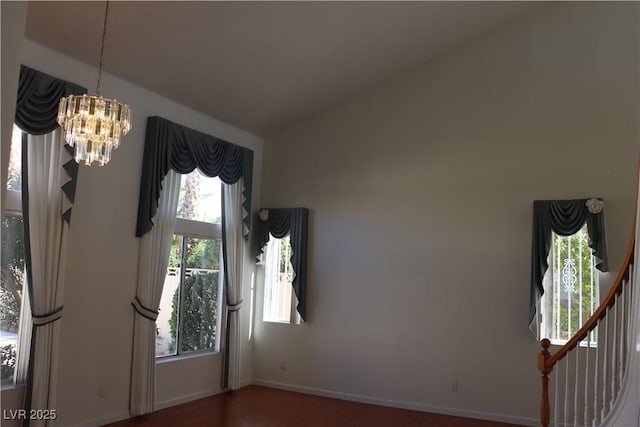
point(36, 113)
point(172, 146)
point(38, 97)
point(563, 217)
point(292, 221)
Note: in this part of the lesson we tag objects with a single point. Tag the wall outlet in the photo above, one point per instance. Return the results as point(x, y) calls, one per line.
point(454, 386)
point(100, 392)
point(283, 365)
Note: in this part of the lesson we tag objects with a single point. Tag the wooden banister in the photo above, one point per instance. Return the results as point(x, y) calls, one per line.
point(616, 288)
point(543, 357)
point(546, 361)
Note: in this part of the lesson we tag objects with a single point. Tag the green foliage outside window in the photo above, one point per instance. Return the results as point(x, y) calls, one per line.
point(11, 287)
point(200, 297)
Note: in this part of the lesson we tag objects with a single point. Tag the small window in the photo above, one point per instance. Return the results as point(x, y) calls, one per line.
point(571, 288)
point(200, 198)
point(279, 299)
point(189, 316)
point(14, 177)
point(12, 263)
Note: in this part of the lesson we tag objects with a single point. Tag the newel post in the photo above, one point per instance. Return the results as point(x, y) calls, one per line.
point(542, 367)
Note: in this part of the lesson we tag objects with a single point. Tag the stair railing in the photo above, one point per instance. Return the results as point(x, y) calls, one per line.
point(589, 390)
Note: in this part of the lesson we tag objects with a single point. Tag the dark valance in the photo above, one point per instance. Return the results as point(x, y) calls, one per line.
point(38, 98)
point(563, 217)
point(172, 146)
point(36, 114)
point(294, 222)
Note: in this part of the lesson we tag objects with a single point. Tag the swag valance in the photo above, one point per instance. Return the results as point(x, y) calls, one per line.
point(172, 146)
point(38, 98)
point(279, 223)
point(36, 114)
point(564, 217)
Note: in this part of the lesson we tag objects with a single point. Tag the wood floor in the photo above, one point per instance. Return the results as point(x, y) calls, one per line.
point(255, 406)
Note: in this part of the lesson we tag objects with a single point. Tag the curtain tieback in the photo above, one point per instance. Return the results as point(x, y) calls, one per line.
point(45, 319)
point(144, 311)
point(234, 307)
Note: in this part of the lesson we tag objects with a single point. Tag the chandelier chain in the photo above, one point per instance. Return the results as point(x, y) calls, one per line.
point(104, 35)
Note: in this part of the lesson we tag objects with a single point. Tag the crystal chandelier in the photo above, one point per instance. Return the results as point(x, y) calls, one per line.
point(93, 124)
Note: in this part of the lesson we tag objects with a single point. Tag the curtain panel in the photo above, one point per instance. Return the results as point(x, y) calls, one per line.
point(36, 114)
point(279, 223)
point(172, 146)
point(152, 268)
point(563, 217)
point(46, 234)
point(49, 176)
point(233, 249)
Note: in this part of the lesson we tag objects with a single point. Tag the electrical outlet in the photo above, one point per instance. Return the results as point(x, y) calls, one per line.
point(100, 392)
point(454, 386)
point(283, 365)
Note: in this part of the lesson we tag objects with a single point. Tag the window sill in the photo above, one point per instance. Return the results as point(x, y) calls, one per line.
point(10, 386)
point(169, 359)
point(281, 322)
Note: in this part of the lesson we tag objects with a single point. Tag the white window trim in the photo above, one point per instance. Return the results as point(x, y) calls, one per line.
point(192, 228)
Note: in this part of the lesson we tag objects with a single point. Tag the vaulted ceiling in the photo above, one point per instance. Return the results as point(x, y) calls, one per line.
point(262, 65)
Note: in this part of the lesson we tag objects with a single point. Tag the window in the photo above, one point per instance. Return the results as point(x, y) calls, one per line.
point(279, 299)
point(12, 263)
point(571, 288)
point(189, 315)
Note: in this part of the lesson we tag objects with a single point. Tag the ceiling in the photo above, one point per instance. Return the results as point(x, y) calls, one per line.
point(262, 66)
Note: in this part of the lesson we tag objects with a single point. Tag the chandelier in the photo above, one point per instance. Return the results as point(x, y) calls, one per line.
point(93, 124)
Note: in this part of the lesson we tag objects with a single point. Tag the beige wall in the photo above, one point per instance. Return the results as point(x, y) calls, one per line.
point(421, 192)
point(102, 267)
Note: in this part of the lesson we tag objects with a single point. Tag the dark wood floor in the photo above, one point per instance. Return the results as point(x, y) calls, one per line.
point(255, 406)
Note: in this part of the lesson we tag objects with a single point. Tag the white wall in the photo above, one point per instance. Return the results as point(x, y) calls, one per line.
point(14, 16)
point(421, 192)
point(103, 254)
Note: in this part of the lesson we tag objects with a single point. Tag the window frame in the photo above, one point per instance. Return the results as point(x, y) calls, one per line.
point(13, 207)
point(547, 316)
point(186, 228)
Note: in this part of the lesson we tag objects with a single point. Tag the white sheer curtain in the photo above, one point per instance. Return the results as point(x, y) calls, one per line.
point(233, 247)
point(271, 276)
point(24, 341)
point(48, 234)
point(152, 269)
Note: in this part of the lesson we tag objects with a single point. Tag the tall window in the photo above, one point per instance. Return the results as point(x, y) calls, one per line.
point(12, 263)
point(279, 299)
point(571, 288)
point(189, 316)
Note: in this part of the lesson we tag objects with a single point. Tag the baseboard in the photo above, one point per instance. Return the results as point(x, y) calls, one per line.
point(414, 406)
point(159, 405)
point(246, 382)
